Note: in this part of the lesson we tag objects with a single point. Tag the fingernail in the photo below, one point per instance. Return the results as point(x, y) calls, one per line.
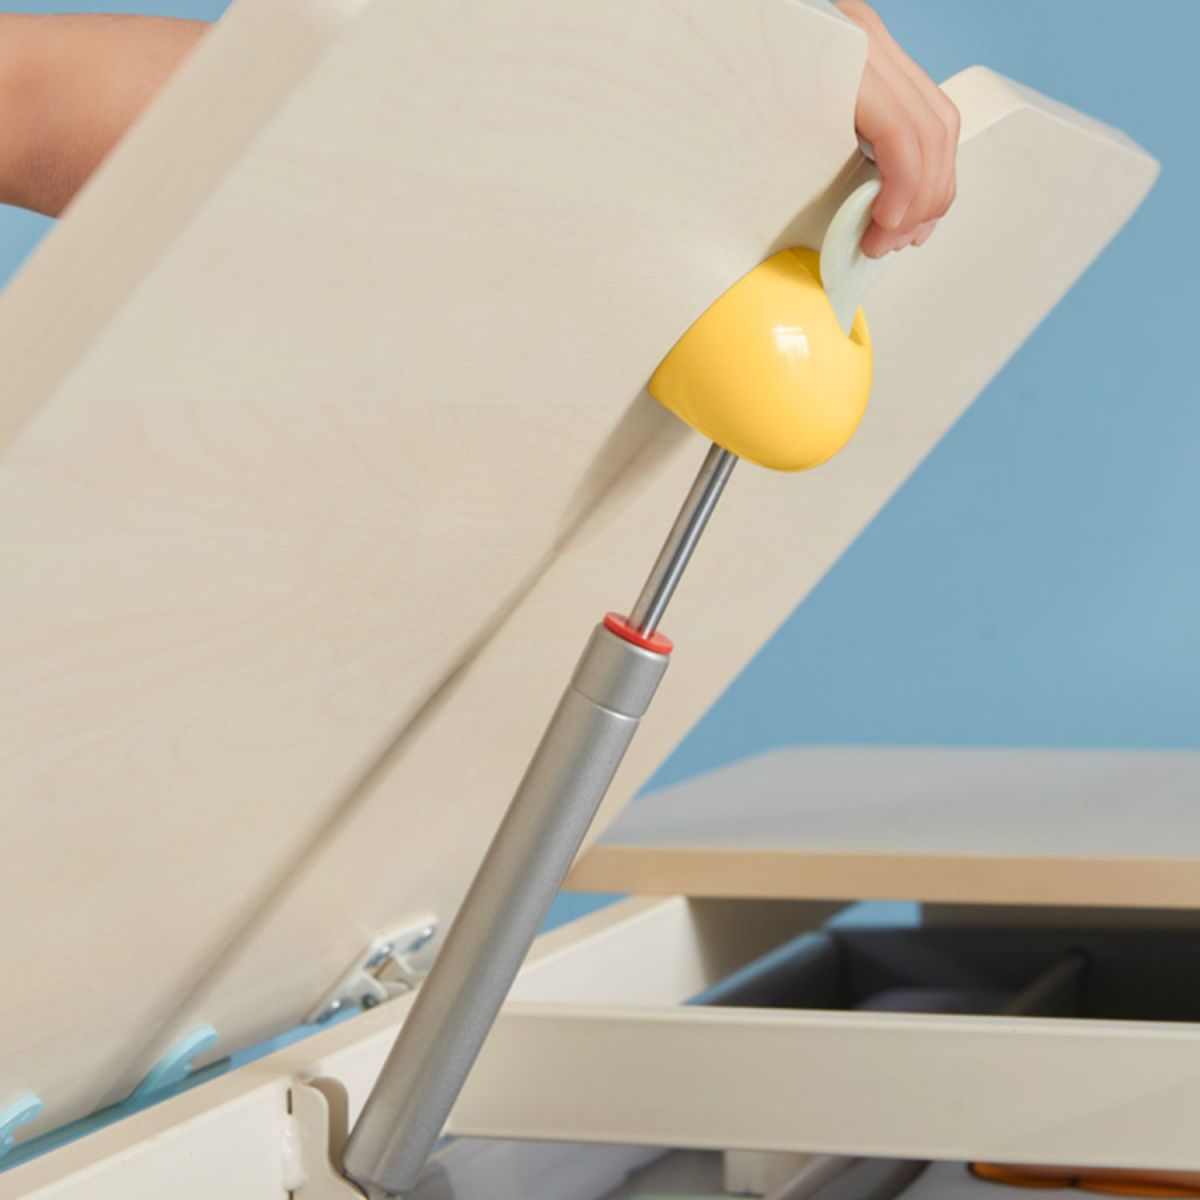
point(924, 232)
point(884, 216)
point(888, 220)
point(872, 243)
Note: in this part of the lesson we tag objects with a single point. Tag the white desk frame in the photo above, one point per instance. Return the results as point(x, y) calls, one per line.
point(646, 1071)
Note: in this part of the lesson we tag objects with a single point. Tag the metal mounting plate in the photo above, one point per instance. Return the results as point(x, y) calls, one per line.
point(392, 965)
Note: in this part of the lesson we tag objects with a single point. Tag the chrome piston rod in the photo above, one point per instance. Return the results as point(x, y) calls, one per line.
point(681, 541)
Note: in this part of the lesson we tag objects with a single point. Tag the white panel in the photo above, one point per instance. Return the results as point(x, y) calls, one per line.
point(362, 359)
point(1102, 1093)
point(223, 1141)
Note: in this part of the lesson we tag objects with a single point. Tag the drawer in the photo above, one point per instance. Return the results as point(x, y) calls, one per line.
point(1142, 974)
point(882, 1042)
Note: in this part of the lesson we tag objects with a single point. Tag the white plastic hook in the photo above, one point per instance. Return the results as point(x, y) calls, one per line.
point(846, 272)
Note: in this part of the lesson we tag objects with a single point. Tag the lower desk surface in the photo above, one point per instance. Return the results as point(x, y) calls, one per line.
point(957, 826)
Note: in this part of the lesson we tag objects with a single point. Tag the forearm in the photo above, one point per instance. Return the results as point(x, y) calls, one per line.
point(69, 87)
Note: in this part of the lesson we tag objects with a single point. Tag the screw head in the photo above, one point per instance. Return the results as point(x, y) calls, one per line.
point(427, 934)
point(330, 1011)
point(380, 956)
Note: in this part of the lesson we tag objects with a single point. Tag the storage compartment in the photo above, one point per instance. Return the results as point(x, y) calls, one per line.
point(1132, 975)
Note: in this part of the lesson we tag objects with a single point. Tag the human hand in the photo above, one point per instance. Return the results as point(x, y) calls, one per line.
point(70, 85)
point(912, 126)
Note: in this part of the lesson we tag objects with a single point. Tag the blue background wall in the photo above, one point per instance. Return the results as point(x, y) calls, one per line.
point(1037, 582)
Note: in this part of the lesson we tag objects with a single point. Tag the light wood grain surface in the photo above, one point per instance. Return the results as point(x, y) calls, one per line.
point(325, 441)
point(1040, 827)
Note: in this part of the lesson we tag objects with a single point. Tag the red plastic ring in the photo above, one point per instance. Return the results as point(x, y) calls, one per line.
point(658, 642)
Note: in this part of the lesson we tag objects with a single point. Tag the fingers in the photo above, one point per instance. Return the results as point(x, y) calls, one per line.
point(896, 147)
point(913, 129)
point(910, 153)
point(944, 132)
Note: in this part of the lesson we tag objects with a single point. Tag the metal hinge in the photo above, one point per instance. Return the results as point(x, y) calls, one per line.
point(393, 964)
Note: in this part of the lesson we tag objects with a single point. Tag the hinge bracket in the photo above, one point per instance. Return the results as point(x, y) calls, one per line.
point(308, 1170)
point(393, 964)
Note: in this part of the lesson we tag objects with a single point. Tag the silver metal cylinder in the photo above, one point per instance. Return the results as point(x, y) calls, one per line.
point(528, 859)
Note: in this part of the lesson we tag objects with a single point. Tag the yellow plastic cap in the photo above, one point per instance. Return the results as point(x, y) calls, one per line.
point(767, 371)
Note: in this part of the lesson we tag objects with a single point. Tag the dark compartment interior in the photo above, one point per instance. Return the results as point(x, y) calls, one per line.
point(1135, 974)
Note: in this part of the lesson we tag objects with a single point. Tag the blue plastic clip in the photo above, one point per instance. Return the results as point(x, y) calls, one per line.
point(176, 1065)
point(15, 1116)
